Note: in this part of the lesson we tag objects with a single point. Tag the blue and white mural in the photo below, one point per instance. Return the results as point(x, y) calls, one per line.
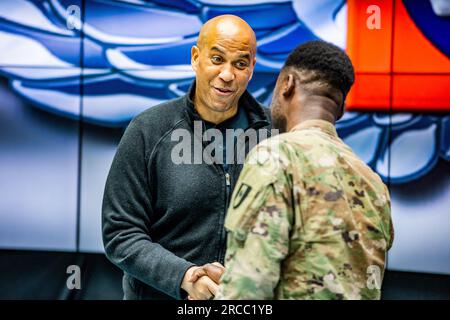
point(90, 66)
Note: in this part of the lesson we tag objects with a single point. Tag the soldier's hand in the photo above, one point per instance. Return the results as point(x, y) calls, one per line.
point(203, 289)
point(213, 270)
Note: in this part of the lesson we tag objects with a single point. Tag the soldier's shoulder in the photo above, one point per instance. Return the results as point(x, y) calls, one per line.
point(273, 153)
point(280, 143)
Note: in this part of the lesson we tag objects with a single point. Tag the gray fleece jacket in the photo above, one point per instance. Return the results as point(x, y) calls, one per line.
point(160, 218)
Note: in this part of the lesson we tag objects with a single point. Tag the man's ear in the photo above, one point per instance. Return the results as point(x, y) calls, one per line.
point(253, 68)
point(341, 108)
point(288, 86)
point(195, 52)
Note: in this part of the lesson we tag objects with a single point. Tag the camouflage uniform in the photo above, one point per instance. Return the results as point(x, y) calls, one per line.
point(308, 220)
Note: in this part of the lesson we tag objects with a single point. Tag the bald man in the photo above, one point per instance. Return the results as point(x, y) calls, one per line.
point(163, 209)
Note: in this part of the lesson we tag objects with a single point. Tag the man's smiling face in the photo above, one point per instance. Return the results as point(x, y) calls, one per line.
point(223, 61)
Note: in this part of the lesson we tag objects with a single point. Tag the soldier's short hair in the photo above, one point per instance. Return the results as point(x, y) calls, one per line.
point(328, 64)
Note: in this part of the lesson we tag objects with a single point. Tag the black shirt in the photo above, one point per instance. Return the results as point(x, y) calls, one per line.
point(238, 121)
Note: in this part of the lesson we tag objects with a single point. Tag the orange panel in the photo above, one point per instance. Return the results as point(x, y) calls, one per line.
point(412, 50)
point(370, 91)
point(421, 92)
point(370, 50)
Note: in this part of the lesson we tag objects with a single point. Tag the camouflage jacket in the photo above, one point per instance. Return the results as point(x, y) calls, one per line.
point(308, 220)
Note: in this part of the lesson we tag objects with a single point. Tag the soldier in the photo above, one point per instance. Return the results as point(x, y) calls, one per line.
point(308, 219)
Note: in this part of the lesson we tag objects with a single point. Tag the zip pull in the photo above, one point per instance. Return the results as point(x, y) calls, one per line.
point(227, 178)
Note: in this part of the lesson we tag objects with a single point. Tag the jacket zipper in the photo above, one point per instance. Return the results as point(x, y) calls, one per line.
point(228, 180)
point(222, 227)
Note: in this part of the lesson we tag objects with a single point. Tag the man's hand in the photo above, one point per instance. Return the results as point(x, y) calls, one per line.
point(213, 270)
point(201, 289)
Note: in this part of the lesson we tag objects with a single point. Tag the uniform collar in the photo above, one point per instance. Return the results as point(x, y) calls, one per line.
point(322, 125)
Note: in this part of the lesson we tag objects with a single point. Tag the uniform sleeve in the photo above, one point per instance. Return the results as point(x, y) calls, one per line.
point(389, 222)
point(258, 224)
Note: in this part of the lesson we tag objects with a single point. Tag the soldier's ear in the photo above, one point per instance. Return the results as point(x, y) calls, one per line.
point(341, 111)
point(288, 85)
point(341, 108)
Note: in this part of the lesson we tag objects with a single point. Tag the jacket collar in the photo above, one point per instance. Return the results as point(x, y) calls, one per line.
point(255, 112)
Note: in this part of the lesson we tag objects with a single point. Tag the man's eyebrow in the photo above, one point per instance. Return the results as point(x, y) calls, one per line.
point(242, 56)
point(245, 56)
point(217, 49)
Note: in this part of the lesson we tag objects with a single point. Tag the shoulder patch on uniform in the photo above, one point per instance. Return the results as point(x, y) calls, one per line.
point(241, 194)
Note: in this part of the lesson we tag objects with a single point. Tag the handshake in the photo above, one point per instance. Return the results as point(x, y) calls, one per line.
point(201, 283)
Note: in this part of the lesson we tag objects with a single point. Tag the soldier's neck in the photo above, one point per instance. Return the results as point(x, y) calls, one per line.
point(310, 112)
